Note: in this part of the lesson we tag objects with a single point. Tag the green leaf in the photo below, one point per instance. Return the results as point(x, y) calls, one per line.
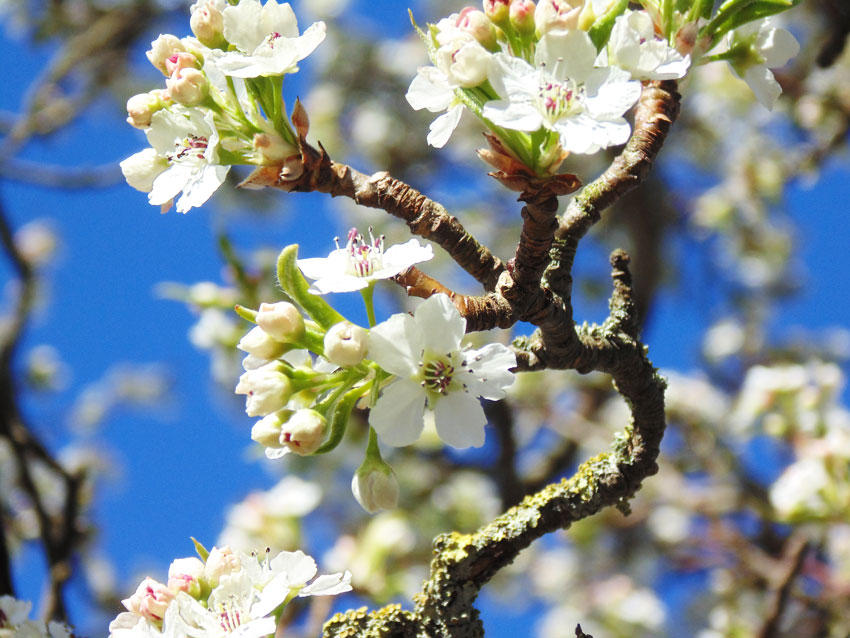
point(756, 11)
point(600, 30)
point(202, 551)
point(294, 284)
point(339, 420)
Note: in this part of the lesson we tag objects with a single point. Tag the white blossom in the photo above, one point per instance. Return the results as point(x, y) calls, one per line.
point(633, 46)
point(424, 351)
point(361, 263)
point(266, 38)
point(563, 92)
point(431, 90)
point(189, 141)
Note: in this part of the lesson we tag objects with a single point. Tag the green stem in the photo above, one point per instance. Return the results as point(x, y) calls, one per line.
point(373, 451)
point(368, 293)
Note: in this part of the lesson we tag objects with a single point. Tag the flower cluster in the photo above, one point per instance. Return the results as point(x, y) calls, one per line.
point(222, 102)
point(224, 593)
point(15, 621)
point(305, 375)
point(558, 76)
point(544, 78)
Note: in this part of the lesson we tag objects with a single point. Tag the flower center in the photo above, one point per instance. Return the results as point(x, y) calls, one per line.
point(271, 37)
point(192, 146)
point(364, 258)
point(558, 99)
point(437, 374)
point(229, 616)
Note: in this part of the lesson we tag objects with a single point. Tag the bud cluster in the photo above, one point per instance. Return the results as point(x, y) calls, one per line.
point(220, 105)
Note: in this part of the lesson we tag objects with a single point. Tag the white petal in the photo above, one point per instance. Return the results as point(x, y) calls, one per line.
point(460, 420)
point(398, 416)
point(298, 567)
point(272, 595)
point(610, 93)
point(400, 256)
point(259, 628)
point(328, 585)
point(396, 345)
point(340, 283)
point(200, 189)
point(513, 78)
point(763, 84)
point(777, 46)
point(321, 267)
point(243, 26)
point(441, 324)
point(490, 367)
point(567, 54)
point(516, 116)
point(430, 90)
point(442, 128)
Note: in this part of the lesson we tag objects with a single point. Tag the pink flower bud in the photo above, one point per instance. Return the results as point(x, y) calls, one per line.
point(163, 48)
point(557, 14)
point(141, 107)
point(207, 23)
point(188, 87)
point(220, 562)
point(476, 23)
point(522, 15)
point(299, 118)
point(305, 431)
point(498, 11)
point(345, 344)
point(281, 320)
point(184, 574)
point(179, 61)
point(150, 600)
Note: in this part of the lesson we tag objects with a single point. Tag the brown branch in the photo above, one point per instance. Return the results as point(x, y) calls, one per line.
point(425, 217)
point(793, 557)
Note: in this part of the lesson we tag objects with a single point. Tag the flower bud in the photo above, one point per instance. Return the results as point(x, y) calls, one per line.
point(260, 343)
point(188, 86)
point(497, 11)
point(207, 23)
point(267, 390)
point(299, 118)
point(345, 344)
point(179, 61)
point(476, 24)
point(184, 574)
point(220, 562)
point(150, 600)
point(163, 48)
point(266, 431)
point(141, 107)
point(557, 14)
point(375, 486)
point(466, 65)
point(142, 168)
point(271, 148)
point(281, 321)
point(305, 431)
point(522, 16)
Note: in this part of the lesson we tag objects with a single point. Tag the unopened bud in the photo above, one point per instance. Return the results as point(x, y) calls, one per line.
point(498, 11)
point(207, 23)
point(266, 431)
point(522, 16)
point(686, 37)
point(163, 48)
point(179, 61)
point(184, 574)
point(266, 388)
point(476, 23)
point(141, 107)
point(261, 344)
point(345, 344)
point(299, 119)
point(220, 562)
point(188, 87)
point(375, 486)
point(551, 15)
point(150, 600)
point(305, 431)
point(281, 321)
